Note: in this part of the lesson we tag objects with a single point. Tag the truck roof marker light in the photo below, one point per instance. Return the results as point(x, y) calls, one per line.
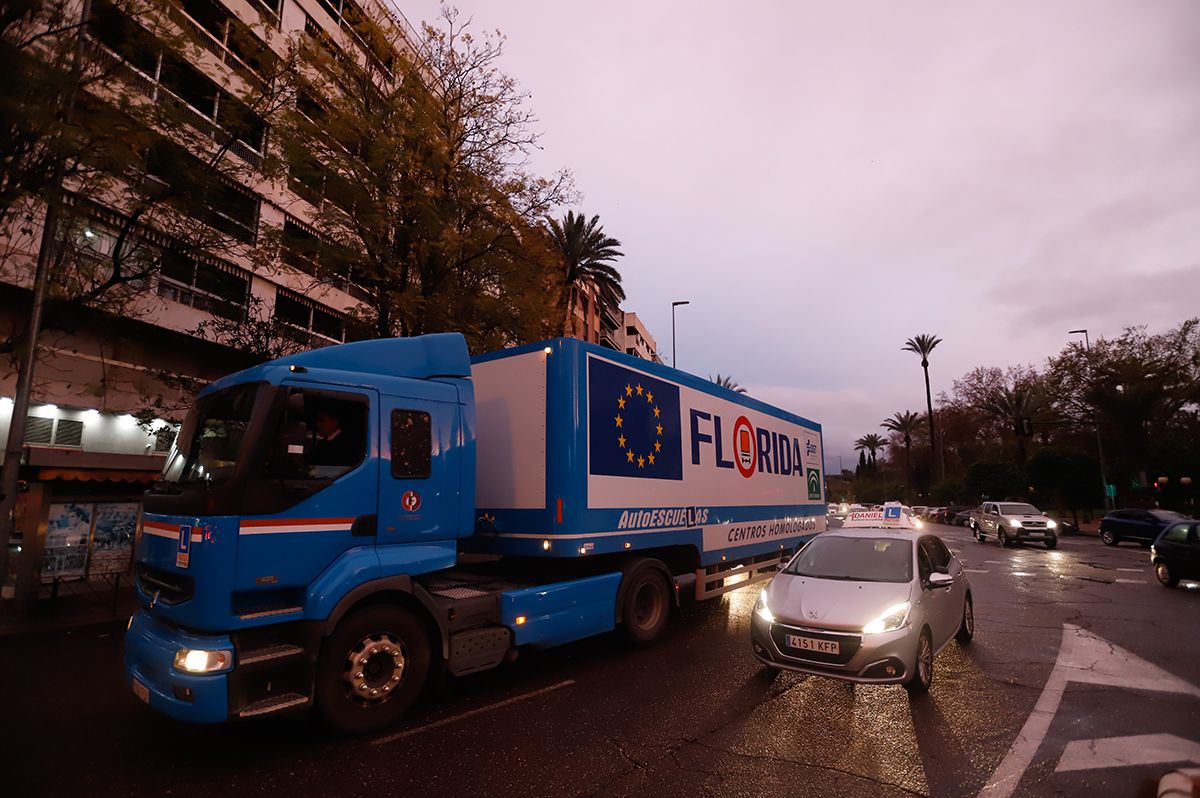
point(558, 512)
point(521, 619)
point(545, 545)
point(549, 350)
point(297, 369)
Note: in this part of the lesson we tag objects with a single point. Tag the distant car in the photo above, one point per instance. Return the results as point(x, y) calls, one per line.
point(865, 604)
point(920, 510)
point(962, 517)
point(946, 515)
point(1013, 522)
point(1140, 525)
point(1176, 553)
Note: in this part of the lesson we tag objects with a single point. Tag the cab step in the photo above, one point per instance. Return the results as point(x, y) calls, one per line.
point(275, 703)
point(269, 653)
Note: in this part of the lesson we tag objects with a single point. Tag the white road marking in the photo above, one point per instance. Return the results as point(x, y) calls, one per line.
point(1131, 581)
point(479, 711)
point(993, 562)
point(1082, 657)
point(1119, 752)
point(1132, 570)
point(978, 571)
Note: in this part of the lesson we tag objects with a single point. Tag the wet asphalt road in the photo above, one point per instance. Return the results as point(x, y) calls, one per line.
point(694, 715)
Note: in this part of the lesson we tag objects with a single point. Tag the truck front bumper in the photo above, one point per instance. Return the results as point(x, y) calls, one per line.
point(150, 649)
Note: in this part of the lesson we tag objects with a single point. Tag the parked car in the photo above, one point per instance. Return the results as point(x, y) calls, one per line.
point(949, 514)
point(920, 510)
point(1140, 525)
point(934, 514)
point(1013, 522)
point(962, 517)
point(1176, 553)
point(871, 605)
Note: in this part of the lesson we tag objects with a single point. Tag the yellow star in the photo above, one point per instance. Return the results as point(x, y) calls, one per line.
point(621, 402)
point(650, 458)
point(629, 390)
point(619, 419)
point(641, 462)
point(659, 428)
point(629, 455)
point(621, 440)
point(658, 446)
point(649, 398)
point(639, 389)
point(656, 412)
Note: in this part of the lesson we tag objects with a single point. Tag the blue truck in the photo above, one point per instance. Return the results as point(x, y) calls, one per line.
point(336, 528)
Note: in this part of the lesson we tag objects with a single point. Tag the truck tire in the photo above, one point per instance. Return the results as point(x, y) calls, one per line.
point(372, 669)
point(646, 609)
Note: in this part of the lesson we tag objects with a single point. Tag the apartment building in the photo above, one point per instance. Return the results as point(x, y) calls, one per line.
point(636, 340)
point(96, 370)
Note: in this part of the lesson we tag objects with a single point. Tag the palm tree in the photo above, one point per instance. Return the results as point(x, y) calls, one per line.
point(1010, 405)
point(905, 423)
point(922, 345)
point(587, 257)
point(726, 382)
point(872, 443)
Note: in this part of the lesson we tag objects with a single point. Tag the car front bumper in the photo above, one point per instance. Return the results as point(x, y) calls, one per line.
point(884, 658)
point(150, 649)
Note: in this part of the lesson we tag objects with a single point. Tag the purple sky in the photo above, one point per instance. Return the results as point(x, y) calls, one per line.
point(823, 180)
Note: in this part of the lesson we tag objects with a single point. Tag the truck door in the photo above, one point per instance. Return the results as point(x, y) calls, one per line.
point(420, 479)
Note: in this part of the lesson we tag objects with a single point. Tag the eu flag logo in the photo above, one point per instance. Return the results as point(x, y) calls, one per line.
point(633, 423)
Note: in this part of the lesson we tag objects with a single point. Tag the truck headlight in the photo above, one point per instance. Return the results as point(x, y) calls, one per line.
point(890, 619)
point(194, 660)
point(761, 609)
point(1052, 524)
point(1015, 524)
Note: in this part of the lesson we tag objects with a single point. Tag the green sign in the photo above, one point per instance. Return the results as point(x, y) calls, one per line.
point(1110, 490)
point(814, 484)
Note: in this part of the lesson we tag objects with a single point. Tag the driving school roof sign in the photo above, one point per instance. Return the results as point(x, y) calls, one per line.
point(892, 515)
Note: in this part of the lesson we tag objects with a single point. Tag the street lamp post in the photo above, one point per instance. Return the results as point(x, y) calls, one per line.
point(674, 360)
point(1087, 347)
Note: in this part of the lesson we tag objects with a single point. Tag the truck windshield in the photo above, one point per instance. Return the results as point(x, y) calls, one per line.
point(1019, 509)
point(855, 560)
point(211, 438)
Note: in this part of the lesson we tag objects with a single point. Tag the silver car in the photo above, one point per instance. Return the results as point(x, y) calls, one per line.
point(872, 605)
point(1013, 522)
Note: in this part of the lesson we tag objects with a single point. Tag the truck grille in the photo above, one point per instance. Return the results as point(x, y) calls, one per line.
point(171, 588)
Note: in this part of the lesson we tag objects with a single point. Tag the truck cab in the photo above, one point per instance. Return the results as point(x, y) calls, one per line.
point(292, 487)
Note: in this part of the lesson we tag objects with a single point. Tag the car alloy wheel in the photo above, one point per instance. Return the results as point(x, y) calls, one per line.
point(1108, 538)
point(922, 676)
point(1163, 572)
point(1002, 536)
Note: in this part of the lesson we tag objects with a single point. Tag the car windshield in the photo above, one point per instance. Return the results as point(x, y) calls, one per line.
point(1019, 509)
point(855, 559)
point(211, 437)
point(1168, 515)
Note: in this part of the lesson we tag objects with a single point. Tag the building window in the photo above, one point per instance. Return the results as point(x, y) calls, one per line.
point(302, 314)
point(53, 432)
point(220, 290)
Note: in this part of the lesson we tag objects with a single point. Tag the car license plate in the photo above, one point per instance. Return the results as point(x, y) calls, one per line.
point(141, 691)
point(812, 644)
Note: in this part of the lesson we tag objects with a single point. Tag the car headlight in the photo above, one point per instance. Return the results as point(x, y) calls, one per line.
point(194, 660)
point(1052, 524)
point(890, 619)
point(762, 610)
point(1015, 524)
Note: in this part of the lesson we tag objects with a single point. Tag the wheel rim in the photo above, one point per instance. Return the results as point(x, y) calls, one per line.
point(647, 606)
point(374, 668)
point(1003, 536)
point(1163, 572)
point(969, 618)
point(924, 660)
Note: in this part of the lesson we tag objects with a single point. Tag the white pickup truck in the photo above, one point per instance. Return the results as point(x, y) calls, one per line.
point(1013, 522)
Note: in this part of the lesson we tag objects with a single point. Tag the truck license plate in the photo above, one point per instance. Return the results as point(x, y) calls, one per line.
point(141, 691)
point(811, 644)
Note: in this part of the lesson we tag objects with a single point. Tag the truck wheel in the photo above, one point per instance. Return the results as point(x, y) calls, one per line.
point(647, 608)
point(372, 669)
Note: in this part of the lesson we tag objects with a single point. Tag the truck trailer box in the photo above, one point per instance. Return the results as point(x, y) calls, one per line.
point(582, 450)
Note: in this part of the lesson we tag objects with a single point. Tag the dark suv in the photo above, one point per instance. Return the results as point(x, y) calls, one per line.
point(1140, 525)
point(1176, 553)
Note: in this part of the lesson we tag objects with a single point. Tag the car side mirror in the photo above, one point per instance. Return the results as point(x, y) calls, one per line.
point(940, 580)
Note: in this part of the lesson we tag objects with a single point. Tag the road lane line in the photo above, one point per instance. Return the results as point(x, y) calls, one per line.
point(464, 715)
point(993, 562)
point(1131, 570)
point(1131, 581)
point(978, 571)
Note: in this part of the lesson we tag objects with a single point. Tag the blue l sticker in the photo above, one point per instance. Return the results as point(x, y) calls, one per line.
point(184, 550)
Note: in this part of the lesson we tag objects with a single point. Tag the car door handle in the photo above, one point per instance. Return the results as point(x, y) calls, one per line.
point(364, 526)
